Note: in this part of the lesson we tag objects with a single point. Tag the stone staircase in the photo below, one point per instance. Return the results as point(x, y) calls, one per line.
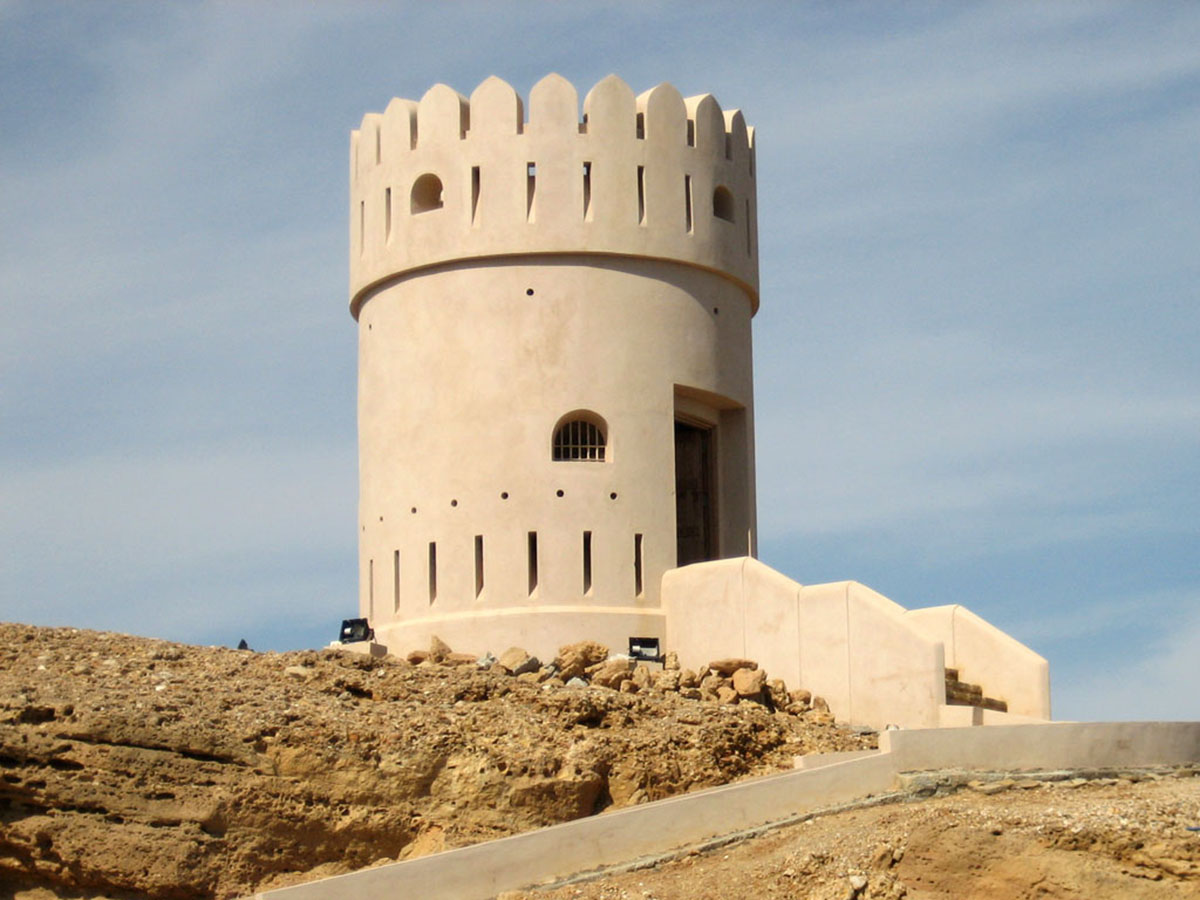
point(959, 693)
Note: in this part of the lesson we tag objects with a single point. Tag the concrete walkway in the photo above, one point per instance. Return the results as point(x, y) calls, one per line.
point(482, 871)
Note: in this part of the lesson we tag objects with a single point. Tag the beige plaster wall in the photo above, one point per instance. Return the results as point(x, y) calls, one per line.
point(856, 648)
point(485, 321)
point(450, 136)
point(985, 655)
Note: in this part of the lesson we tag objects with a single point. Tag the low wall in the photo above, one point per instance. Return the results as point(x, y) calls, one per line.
point(985, 655)
point(1059, 745)
point(842, 641)
point(484, 870)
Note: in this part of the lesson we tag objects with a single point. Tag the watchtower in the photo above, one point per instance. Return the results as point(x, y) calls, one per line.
point(555, 392)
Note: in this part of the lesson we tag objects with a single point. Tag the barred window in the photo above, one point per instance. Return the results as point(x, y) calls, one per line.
point(579, 438)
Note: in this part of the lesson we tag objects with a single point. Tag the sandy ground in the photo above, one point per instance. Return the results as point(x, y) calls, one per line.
point(1112, 838)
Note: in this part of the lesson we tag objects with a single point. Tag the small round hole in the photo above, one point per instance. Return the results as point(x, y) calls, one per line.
point(558, 493)
point(381, 518)
point(454, 503)
point(368, 327)
point(504, 495)
point(716, 310)
point(413, 510)
point(528, 292)
point(612, 496)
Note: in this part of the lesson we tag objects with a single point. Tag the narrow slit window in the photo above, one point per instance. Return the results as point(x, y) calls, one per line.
point(474, 196)
point(637, 565)
point(728, 145)
point(723, 203)
point(530, 189)
point(691, 132)
point(432, 572)
point(687, 201)
point(587, 190)
point(370, 589)
point(478, 564)
point(641, 126)
point(378, 147)
point(587, 562)
point(396, 580)
point(641, 195)
point(362, 227)
point(387, 214)
point(748, 247)
point(533, 563)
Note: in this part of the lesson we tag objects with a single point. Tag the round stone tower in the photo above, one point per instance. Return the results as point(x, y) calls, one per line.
point(554, 396)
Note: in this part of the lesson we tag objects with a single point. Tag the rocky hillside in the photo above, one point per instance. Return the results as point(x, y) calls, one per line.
point(141, 768)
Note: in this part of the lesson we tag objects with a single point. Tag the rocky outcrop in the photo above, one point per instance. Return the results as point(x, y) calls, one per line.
point(139, 768)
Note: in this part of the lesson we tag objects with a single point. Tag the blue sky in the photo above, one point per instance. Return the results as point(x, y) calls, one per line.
point(976, 358)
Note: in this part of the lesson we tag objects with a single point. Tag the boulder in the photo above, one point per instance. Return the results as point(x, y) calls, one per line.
point(517, 661)
point(726, 696)
point(438, 649)
point(749, 682)
point(688, 679)
point(801, 697)
point(727, 667)
point(574, 659)
point(666, 681)
point(612, 673)
point(712, 681)
point(642, 677)
point(779, 693)
point(671, 661)
point(416, 657)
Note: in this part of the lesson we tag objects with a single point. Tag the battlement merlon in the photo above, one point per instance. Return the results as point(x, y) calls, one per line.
point(451, 179)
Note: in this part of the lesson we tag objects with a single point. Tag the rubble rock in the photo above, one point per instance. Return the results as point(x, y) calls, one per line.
point(642, 677)
point(517, 661)
point(438, 649)
point(574, 659)
point(611, 673)
point(801, 696)
point(726, 667)
point(748, 682)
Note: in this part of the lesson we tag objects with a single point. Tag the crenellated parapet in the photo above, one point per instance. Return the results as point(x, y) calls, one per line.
point(449, 179)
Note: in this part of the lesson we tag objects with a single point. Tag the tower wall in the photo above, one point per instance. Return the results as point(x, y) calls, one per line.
point(604, 266)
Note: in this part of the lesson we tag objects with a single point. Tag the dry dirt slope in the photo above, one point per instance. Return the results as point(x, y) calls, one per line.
point(140, 768)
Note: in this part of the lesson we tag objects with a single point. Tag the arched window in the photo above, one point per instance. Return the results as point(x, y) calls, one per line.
point(723, 203)
point(579, 436)
point(426, 193)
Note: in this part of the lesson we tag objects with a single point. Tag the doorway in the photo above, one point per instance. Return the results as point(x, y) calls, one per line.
point(695, 531)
